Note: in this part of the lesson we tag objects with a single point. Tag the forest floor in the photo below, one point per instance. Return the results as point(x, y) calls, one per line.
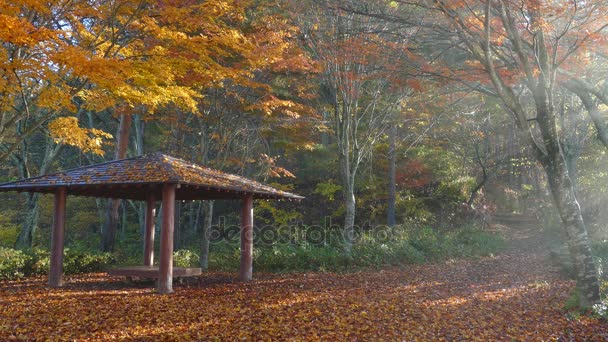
point(514, 295)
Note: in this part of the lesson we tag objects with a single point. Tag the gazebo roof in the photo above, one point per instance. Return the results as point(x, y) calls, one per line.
point(134, 178)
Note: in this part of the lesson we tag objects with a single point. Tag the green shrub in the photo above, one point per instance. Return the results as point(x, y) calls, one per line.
point(397, 246)
point(8, 235)
point(300, 257)
point(9, 229)
point(405, 253)
point(472, 242)
point(397, 250)
point(185, 258)
point(15, 264)
point(38, 263)
point(224, 256)
point(427, 241)
point(78, 261)
point(404, 245)
point(12, 263)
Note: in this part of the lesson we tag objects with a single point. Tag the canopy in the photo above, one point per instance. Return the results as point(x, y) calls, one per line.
point(135, 178)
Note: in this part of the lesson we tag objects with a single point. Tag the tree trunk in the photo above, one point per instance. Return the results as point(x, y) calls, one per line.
point(578, 240)
point(30, 222)
point(349, 217)
point(159, 220)
point(571, 158)
point(324, 133)
point(177, 227)
point(348, 163)
point(194, 214)
point(476, 189)
point(536, 61)
point(110, 226)
point(484, 177)
point(141, 219)
point(29, 225)
point(392, 190)
point(560, 183)
point(111, 223)
point(592, 108)
point(123, 220)
point(139, 126)
point(197, 209)
point(206, 231)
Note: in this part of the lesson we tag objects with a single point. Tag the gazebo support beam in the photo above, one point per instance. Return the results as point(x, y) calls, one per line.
point(149, 231)
point(247, 237)
point(165, 280)
point(56, 266)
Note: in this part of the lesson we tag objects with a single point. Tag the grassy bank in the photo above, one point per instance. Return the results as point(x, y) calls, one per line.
point(292, 252)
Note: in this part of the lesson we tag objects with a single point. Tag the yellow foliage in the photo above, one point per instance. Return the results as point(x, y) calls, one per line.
point(108, 55)
point(56, 98)
point(97, 99)
point(65, 130)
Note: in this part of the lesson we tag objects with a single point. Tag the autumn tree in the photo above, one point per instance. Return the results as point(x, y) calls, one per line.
point(515, 51)
point(245, 128)
point(361, 70)
point(237, 86)
point(43, 69)
point(139, 58)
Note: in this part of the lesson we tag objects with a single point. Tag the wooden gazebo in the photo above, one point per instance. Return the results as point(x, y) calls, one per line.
point(150, 178)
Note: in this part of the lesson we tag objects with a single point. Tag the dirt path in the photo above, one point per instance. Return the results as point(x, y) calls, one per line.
point(515, 295)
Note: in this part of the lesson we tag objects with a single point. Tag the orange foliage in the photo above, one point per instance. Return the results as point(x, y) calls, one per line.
point(413, 175)
point(272, 170)
point(572, 31)
point(107, 55)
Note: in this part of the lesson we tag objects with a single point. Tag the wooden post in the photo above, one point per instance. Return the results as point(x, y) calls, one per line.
point(247, 238)
point(165, 279)
point(56, 266)
point(149, 230)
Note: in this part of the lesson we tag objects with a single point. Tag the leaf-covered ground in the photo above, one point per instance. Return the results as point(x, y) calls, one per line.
point(516, 295)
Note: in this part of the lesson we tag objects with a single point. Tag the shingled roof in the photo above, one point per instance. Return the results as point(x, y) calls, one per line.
point(134, 178)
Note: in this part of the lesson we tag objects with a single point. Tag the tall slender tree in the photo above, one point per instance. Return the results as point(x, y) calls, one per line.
point(361, 70)
point(514, 51)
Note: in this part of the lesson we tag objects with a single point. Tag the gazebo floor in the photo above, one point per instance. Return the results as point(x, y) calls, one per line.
point(152, 271)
